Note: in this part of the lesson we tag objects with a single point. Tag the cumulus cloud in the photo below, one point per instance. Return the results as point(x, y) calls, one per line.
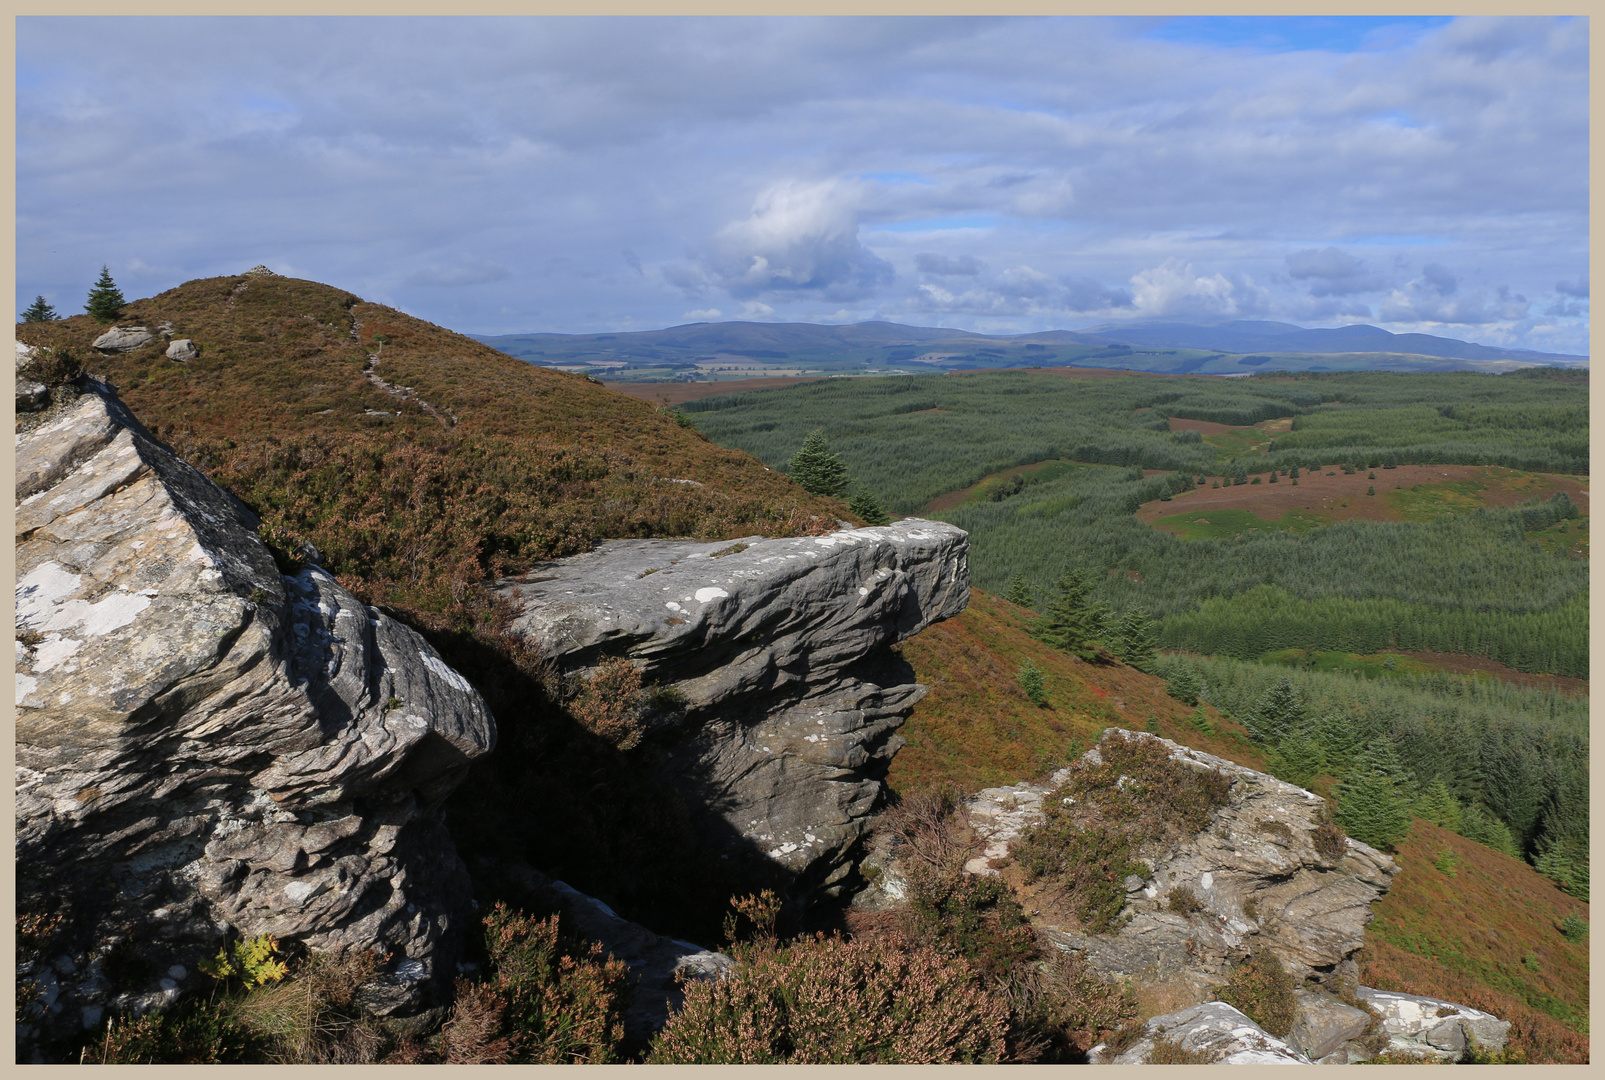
point(1174, 290)
point(800, 237)
point(964, 266)
point(1435, 297)
point(1578, 288)
point(1332, 272)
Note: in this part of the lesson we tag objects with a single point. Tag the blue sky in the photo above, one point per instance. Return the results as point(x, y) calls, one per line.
point(992, 174)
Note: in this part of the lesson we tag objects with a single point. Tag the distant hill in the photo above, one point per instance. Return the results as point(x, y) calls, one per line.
point(733, 350)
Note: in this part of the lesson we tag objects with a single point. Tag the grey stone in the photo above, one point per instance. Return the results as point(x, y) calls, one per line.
point(1255, 868)
point(206, 746)
point(1325, 1024)
point(774, 653)
point(260, 270)
point(1214, 1029)
point(183, 350)
point(123, 339)
point(1434, 1027)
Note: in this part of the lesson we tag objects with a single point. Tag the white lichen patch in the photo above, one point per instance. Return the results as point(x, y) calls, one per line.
point(710, 594)
point(439, 667)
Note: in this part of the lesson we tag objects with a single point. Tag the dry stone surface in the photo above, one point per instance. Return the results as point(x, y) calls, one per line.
point(1215, 1030)
point(123, 339)
point(207, 747)
point(773, 652)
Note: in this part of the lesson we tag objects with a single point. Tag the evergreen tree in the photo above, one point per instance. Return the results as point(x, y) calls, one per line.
point(817, 469)
point(39, 311)
point(864, 505)
point(1564, 860)
point(1074, 622)
point(1278, 712)
point(1374, 799)
point(1298, 760)
point(1031, 681)
point(1134, 639)
point(1184, 684)
point(1477, 823)
point(105, 299)
point(1020, 593)
point(1439, 806)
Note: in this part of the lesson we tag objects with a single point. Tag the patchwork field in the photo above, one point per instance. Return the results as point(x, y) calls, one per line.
point(1406, 493)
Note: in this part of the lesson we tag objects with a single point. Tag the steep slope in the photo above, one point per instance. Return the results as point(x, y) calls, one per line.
point(977, 728)
point(1485, 931)
point(416, 460)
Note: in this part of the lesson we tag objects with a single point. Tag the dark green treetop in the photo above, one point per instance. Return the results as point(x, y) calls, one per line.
point(1074, 622)
point(105, 299)
point(864, 505)
point(39, 311)
point(817, 469)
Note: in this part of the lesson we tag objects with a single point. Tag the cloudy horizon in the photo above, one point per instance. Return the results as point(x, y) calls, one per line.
point(999, 175)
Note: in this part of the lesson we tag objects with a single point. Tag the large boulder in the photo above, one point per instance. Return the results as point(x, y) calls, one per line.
point(1328, 1027)
point(773, 654)
point(1212, 1033)
point(1256, 869)
point(206, 746)
point(124, 339)
point(183, 350)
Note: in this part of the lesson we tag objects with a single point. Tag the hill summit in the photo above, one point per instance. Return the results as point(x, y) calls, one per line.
point(416, 461)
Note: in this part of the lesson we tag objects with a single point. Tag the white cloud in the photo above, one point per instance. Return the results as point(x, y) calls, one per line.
point(1174, 290)
point(800, 237)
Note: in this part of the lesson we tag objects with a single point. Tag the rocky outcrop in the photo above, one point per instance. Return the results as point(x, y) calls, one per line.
point(1213, 1033)
point(1330, 1031)
point(206, 746)
point(778, 698)
point(124, 339)
point(1429, 1027)
point(1257, 871)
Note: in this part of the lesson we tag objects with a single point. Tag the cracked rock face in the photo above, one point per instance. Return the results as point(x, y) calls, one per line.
point(1255, 869)
point(774, 652)
point(1434, 1028)
point(206, 745)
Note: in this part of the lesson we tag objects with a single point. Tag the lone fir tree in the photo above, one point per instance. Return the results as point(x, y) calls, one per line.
point(817, 469)
point(864, 505)
point(1074, 622)
point(39, 311)
point(1134, 639)
point(1020, 593)
point(105, 299)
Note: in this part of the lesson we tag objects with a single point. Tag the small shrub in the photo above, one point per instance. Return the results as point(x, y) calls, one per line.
point(1573, 928)
point(566, 1005)
point(1122, 1039)
point(1447, 863)
point(254, 962)
point(194, 1033)
point(312, 1016)
point(608, 703)
point(53, 367)
point(1183, 901)
point(1331, 842)
point(827, 1000)
point(1261, 989)
point(1166, 1052)
point(1031, 681)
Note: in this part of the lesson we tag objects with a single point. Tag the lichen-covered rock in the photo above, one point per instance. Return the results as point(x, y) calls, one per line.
point(204, 745)
point(1255, 868)
point(1216, 1032)
point(785, 700)
point(1432, 1027)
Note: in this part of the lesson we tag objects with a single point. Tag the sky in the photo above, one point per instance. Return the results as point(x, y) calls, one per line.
point(1000, 175)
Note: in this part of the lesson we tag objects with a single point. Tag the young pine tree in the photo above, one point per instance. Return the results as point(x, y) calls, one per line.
point(1374, 799)
point(1020, 593)
point(1134, 639)
point(864, 505)
point(105, 299)
point(1298, 759)
point(817, 469)
point(1074, 622)
point(39, 311)
point(1439, 806)
point(1278, 712)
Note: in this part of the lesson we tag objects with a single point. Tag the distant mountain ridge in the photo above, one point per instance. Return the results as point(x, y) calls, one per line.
point(1108, 345)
